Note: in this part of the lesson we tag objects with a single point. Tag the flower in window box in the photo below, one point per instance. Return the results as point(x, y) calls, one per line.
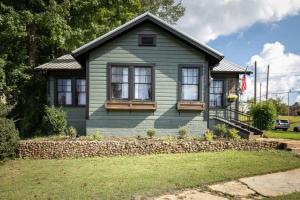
point(232, 97)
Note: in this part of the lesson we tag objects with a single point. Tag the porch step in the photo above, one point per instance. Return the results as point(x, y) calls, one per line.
point(253, 129)
point(244, 132)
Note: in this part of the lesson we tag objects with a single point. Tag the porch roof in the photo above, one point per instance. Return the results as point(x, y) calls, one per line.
point(229, 67)
point(65, 62)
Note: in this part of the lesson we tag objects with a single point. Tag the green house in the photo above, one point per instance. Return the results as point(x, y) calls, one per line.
point(144, 74)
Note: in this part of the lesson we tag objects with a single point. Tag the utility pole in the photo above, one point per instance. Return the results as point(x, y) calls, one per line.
point(289, 102)
point(267, 92)
point(255, 68)
point(259, 91)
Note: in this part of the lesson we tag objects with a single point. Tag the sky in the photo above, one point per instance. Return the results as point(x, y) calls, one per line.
point(244, 31)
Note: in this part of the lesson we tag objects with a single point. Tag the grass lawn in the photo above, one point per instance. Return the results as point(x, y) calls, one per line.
point(282, 135)
point(293, 196)
point(123, 177)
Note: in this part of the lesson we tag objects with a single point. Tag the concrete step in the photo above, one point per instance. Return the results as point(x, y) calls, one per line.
point(291, 145)
point(295, 150)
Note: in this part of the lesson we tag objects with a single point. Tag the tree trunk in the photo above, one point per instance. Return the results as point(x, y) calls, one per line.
point(31, 45)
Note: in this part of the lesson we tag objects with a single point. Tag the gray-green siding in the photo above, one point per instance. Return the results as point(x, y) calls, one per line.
point(75, 115)
point(166, 56)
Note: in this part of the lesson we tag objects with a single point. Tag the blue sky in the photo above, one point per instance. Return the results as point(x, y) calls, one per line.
point(267, 31)
point(240, 46)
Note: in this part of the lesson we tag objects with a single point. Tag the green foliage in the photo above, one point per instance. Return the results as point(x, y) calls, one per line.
point(208, 135)
point(220, 130)
point(281, 107)
point(233, 134)
point(95, 136)
point(34, 32)
point(182, 132)
point(151, 132)
point(264, 115)
point(71, 132)
point(9, 139)
point(54, 121)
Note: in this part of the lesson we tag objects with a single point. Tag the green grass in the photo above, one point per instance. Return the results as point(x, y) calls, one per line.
point(124, 177)
point(283, 135)
point(292, 196)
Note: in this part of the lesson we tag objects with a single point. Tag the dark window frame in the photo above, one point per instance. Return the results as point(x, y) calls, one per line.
point(223, 94)
point(140, 36)
point(200, 73)
point(131, 81)
point(73, 90)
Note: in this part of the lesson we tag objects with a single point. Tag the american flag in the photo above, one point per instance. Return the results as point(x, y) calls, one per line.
point(244, 84)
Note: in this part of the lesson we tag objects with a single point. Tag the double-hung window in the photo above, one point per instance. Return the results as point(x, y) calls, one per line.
point(80, 92)
point(130, 82)
point(142, 83)
point(119, 82)
point(64, 92)
point(189, 84)
point(216, 93)
point(70, 92)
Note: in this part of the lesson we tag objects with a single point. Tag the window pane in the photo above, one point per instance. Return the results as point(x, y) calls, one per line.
point(190, 75)
point(142, 91)
point(80, 91)
point(81, 99)
point(64, 98)
point(119, 83)
point(142, 83)
point(119, 91)
point(189, 92)
point(64, 91)
point(216, 94)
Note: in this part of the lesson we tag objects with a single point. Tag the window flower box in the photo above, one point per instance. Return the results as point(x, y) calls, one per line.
point(190, 105)
point(130, 105)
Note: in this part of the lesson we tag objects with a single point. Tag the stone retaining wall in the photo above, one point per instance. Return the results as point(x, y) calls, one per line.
point(80, 148)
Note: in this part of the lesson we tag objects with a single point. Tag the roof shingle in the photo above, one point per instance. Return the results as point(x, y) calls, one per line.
point(64, 62)
point(228, 66)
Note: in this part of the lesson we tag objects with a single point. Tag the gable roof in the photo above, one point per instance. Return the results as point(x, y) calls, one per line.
point(228, 66)
point(138, 20)
point(65, 62)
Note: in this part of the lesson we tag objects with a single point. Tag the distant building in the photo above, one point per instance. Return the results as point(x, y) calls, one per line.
point(295, 109)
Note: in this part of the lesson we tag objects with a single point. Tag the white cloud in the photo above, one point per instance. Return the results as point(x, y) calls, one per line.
point(208, 19)
point(298, 98)
point(284, 70)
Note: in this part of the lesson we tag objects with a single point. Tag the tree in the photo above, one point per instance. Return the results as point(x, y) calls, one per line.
point(281, 107)
point(263, 114)
point(36, 31)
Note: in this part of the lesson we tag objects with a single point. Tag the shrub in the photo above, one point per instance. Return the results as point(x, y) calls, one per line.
point(54, 121)
point(9, 139)
point(220, 130)
point(233, 134)
point(264, 115)
point(208, 135)
point(151, 132)
point(71, 132)
point(94, 136)
point(182, 132)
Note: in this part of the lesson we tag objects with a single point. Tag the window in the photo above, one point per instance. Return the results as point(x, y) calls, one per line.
point(147, 40)
point(142, 83)
point(119, 82)
point(216, 93)
point(80, 92)
point(130, 82)
point(64, 92)
point(71, 92)
point(189, 83)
